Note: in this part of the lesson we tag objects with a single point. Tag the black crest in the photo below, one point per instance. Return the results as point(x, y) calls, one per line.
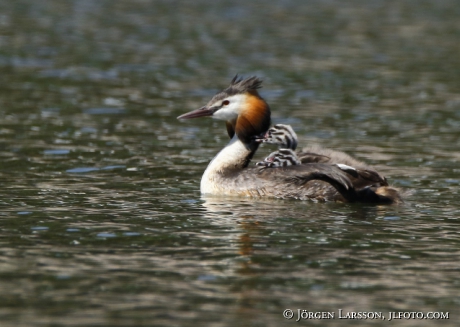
point(238, 85)
point(241, 85)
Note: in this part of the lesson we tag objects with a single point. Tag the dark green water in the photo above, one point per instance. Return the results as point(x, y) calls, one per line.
point(102, 222)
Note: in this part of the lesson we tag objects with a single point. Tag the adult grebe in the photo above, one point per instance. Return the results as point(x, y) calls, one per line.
point(247, 116)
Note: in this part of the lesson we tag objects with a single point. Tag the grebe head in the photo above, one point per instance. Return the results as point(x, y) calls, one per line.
point(282, 135)
point(242, 108)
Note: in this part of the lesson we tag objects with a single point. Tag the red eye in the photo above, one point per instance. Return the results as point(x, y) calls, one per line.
point(225, 103)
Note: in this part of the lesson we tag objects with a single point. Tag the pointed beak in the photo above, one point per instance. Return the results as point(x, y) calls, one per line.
point(261, 138)
point(202, 112)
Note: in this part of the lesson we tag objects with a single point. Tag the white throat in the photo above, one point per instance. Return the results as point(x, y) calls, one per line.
point(231, 158)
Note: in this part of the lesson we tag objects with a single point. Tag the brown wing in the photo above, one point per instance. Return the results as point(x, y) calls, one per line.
point(361, 176)
point(315, 180)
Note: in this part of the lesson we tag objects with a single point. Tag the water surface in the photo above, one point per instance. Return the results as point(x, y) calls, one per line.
point(102, 222)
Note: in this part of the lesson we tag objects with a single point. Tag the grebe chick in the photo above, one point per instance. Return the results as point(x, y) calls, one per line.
point(280, 134)
point(281, 158)
point(247, 115)
point(286, 139)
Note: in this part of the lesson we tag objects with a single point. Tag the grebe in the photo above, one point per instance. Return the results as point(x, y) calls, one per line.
point(281, 158)
point(247, 116)
point(280, 134)
point(286, 139)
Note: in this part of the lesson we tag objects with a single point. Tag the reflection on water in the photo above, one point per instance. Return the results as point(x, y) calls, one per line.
point(102, 222)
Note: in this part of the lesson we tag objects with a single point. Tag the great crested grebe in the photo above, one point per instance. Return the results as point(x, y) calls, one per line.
point(286, 139)
point(281, 135)
point(247, 116)
point(280, 158)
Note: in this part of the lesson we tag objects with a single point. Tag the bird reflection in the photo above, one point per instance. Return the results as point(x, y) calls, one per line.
point(252, 220)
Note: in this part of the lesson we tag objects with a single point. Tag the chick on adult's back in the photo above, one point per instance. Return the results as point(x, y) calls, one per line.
point(247, 116)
